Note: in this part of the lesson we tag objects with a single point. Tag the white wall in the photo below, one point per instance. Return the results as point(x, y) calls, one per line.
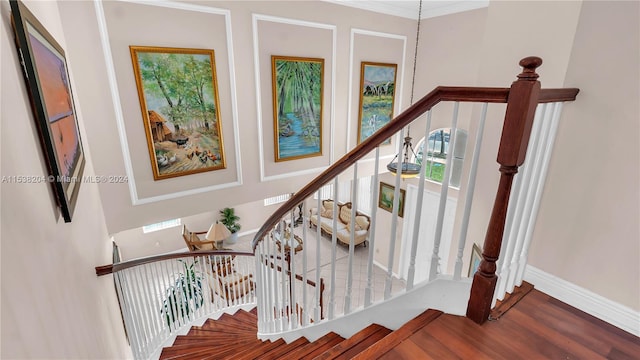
point(587, 228)
point(93, 86)
point(587, 232)
point(53, 304)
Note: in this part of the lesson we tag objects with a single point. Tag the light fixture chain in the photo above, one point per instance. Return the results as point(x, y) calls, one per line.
point(415, 61)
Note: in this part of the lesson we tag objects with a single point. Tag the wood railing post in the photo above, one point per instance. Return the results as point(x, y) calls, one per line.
point(521, 107)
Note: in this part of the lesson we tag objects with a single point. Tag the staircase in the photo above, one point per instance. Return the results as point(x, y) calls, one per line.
point(234, 337)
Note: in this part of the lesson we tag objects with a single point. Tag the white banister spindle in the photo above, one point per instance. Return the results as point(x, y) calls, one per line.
point(539, 187)
point(524, 199)
point(318, 308)
point(144, 310)
point(435, 257)
point(259, 284)
point(305, 288)
point(352, 231)
point(291, 267)
point(125, 305)
point(273, 284)
point(334, 244)
point(368, 298)
point(471, 184)
point(394, 219)
point(418, 212)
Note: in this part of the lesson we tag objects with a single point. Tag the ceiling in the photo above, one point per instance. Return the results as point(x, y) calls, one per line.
point(409, 9)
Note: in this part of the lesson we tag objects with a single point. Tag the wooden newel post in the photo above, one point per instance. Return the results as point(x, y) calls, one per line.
point(518, 120)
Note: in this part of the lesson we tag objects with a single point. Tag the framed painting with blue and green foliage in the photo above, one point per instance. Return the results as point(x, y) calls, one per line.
point(178, 95)
point(377, 97)
point(297, 107)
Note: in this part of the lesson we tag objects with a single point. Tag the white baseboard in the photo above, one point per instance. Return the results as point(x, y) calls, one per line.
point(604, 309)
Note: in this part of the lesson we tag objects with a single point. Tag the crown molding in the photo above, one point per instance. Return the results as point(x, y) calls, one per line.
point(409, 9)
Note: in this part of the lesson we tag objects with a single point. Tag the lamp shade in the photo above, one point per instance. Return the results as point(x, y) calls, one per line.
point(218, 233)
point(407, 169)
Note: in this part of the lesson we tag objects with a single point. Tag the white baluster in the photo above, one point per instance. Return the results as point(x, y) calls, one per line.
point(352, 231)
point(305, 242)
point(471, 184)
point(539, 187)
point(127, 312)
point(318, 308)
point(444, 190)
point(368, 292)
point(292, 275)
point(517, 206)
point(418, 212)
point(151, 304)
point(140, 305)
point(394, 219)
point(334, 244)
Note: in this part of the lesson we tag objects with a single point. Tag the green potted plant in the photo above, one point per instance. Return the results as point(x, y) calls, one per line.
point(185, 296)
point(229, 219)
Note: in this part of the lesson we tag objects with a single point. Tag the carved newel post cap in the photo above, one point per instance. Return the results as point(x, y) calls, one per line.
point(529, 65)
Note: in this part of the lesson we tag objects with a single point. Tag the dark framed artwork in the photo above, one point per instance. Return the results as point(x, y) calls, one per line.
point(474, 262)
point(297, 85)
point(178, 94)
point(377, 97)
point(47, 78)
point(385, 198)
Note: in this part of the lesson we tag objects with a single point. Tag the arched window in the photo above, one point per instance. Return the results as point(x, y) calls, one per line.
point(437, 148)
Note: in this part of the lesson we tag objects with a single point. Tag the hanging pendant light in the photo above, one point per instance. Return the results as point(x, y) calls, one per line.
point(408, 169)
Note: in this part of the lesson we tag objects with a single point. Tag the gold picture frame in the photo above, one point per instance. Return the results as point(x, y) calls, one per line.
point(178, 93)
point(377, 97)
point(385, 198)
point(297, 88)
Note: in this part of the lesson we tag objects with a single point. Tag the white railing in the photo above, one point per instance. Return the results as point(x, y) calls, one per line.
point(162, 296)
point(356, 275)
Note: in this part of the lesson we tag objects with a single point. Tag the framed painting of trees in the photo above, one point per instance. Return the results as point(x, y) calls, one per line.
point(297, 106)
point(377, 97)
point(178, 95)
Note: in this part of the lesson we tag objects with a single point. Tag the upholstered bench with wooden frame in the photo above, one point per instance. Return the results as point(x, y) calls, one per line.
point(343, 233)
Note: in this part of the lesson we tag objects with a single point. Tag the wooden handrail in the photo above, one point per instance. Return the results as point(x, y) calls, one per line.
point(440, 93)
point(111, 268)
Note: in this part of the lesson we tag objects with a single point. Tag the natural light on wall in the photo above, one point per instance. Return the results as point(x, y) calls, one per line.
point(161, 225)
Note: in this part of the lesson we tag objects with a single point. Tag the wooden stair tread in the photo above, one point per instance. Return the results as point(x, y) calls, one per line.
point(284, 350)
point(198, 354)
point(253, 352)
point(347, 344)
point(364, 344)
point(396, 337)
point(324, 343)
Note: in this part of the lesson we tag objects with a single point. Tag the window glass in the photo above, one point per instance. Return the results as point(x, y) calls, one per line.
point(437, 148)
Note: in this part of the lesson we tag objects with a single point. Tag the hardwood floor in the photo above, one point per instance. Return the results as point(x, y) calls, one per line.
point(537, 327)
point(530, 325)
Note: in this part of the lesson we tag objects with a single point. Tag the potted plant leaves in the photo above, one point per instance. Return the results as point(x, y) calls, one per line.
point(229, 218)
point(185, 296)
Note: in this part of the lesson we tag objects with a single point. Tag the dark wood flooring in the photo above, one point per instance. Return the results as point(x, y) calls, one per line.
point(528, 325)
point(536, 327)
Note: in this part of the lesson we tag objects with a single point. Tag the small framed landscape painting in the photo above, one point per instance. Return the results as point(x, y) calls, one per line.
point(297, 106)
point(377, 97)
point(47, 78)
point(178, 94)
point(474, 262)
point(385, 198)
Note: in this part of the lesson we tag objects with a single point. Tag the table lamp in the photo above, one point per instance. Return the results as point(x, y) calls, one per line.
point(218, 233)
